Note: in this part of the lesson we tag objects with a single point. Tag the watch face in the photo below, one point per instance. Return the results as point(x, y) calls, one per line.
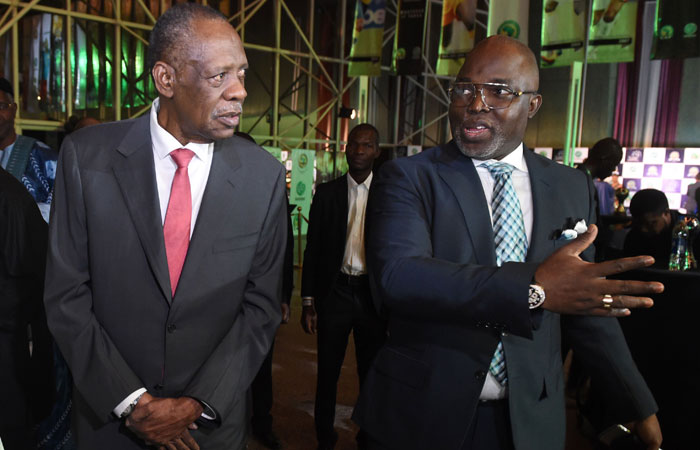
point(536, 297)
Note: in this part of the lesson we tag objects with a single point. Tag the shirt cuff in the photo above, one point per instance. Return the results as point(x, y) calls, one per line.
point(119, 409)
point(208, 413)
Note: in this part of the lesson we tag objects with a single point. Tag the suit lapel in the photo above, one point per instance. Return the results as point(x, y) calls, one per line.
point(341, 202)
point(537, 168)
point(135, 172)
point(221, 195)
point(460, 175)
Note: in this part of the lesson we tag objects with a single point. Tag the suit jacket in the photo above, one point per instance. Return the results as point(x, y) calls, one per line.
point(690, 203)
point(325, 239)
point(26, 383)
point(108, 296)
point(432, 263)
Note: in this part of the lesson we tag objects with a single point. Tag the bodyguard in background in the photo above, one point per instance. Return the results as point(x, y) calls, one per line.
point(334, 287)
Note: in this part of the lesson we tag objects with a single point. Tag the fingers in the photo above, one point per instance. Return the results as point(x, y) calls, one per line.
point(189, 441)
point(616, 266)
point(629, 287)
point(582, 242)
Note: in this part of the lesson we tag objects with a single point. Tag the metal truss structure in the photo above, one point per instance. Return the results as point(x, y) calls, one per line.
point(296, 93)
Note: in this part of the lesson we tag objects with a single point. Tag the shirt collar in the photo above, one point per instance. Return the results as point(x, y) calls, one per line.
point(516, 158)
point(352, 184)
point(164, 142)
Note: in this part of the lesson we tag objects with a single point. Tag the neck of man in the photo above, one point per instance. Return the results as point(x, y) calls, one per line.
point(8, 139)
point(359, 176)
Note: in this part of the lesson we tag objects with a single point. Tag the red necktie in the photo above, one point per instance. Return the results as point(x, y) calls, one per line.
point(178, 217)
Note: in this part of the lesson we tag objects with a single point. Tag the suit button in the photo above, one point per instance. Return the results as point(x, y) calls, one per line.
point(171, 328)
point(479, 374)
point(158, 387)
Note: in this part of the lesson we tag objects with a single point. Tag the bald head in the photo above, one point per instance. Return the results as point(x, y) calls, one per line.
point(484, 131)
point(504, 47)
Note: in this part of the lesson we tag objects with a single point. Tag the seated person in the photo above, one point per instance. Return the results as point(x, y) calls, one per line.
point(652, 226)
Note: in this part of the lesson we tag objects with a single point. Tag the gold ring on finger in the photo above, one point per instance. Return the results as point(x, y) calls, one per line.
point(607, 301)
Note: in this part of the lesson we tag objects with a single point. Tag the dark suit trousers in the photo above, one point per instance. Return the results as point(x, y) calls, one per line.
point(347, 308)
point(490, 429)
point(261, 391)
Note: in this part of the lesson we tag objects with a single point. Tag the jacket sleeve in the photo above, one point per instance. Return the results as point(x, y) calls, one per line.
point(100, 372)
point(313, 248)
point(408, 280)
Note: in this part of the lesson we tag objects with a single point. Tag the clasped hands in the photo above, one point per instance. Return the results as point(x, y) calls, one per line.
point(165, 422)
point(574, 286)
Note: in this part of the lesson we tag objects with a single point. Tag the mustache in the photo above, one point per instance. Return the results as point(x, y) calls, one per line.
point(230, 110)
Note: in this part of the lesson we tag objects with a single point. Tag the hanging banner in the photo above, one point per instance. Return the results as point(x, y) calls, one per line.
point(301, 184)
point(367, 36)
point(510, 18)
point(408, 41)
point(676, 29)
point(612, 32)
point(563, 32)
point(463, 24)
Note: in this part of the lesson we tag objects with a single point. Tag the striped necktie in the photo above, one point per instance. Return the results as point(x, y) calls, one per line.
point(509, 238)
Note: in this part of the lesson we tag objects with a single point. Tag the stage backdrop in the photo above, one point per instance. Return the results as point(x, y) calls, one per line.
point(670, 170)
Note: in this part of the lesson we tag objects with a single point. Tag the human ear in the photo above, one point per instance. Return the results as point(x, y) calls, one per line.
point(534, 105)
point(164, 78)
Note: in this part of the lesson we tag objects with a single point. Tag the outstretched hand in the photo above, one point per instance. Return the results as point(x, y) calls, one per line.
point(574, 286)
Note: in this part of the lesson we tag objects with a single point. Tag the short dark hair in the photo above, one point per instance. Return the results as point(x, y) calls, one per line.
point(606, 149)
point(6, 87)
point(648, 201)
point(173, 30)
point(365, 127)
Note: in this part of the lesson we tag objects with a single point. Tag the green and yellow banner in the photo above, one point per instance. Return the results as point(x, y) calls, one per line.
point(510, 18)
point(367, 36)
point(301, 185)
point(613, 31)
point(676, 29)
point(611, 36)
point(457, 34)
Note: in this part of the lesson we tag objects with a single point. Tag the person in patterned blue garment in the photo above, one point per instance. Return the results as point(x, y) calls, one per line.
point(33, 163)
point(30, 161)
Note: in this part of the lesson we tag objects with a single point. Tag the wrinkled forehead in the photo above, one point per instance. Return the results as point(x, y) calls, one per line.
point(216, 44)
point(491, 64)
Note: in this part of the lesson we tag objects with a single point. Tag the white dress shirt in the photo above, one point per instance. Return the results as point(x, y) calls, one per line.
point(492, 389)
point(198, 171)
point(354, 257)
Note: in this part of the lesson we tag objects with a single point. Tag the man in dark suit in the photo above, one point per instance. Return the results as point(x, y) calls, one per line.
point(166, 247)
point(476, 305)
point(334, 285)
point(25, 375)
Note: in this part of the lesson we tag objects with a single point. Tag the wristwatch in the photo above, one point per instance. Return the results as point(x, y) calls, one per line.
point(130, 408)
point(536, 296)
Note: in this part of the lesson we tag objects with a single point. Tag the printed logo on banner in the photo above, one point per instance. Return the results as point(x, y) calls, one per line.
point(652, 170)
point(673, 171)
point(580, 153)
point(691, 171)
point(544, 151)
point(690, 30)
point(633, 170)
point(674, 155)
point(692, 155)
point(654, 155)
point(634, 154)
point(652, 183)
point(671, 186)
point(633, 184)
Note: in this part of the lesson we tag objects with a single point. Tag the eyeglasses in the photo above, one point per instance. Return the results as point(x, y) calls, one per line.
point(493, 95)
point(5, 105)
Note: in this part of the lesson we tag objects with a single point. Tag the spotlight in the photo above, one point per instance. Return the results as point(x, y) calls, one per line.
point(347, 113)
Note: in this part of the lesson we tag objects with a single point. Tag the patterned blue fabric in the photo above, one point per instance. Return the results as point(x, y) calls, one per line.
point(39, 175)
point(509, 238)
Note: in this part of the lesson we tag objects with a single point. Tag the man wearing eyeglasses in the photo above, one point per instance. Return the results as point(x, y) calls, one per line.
point(468, 256)
point(30, 161)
